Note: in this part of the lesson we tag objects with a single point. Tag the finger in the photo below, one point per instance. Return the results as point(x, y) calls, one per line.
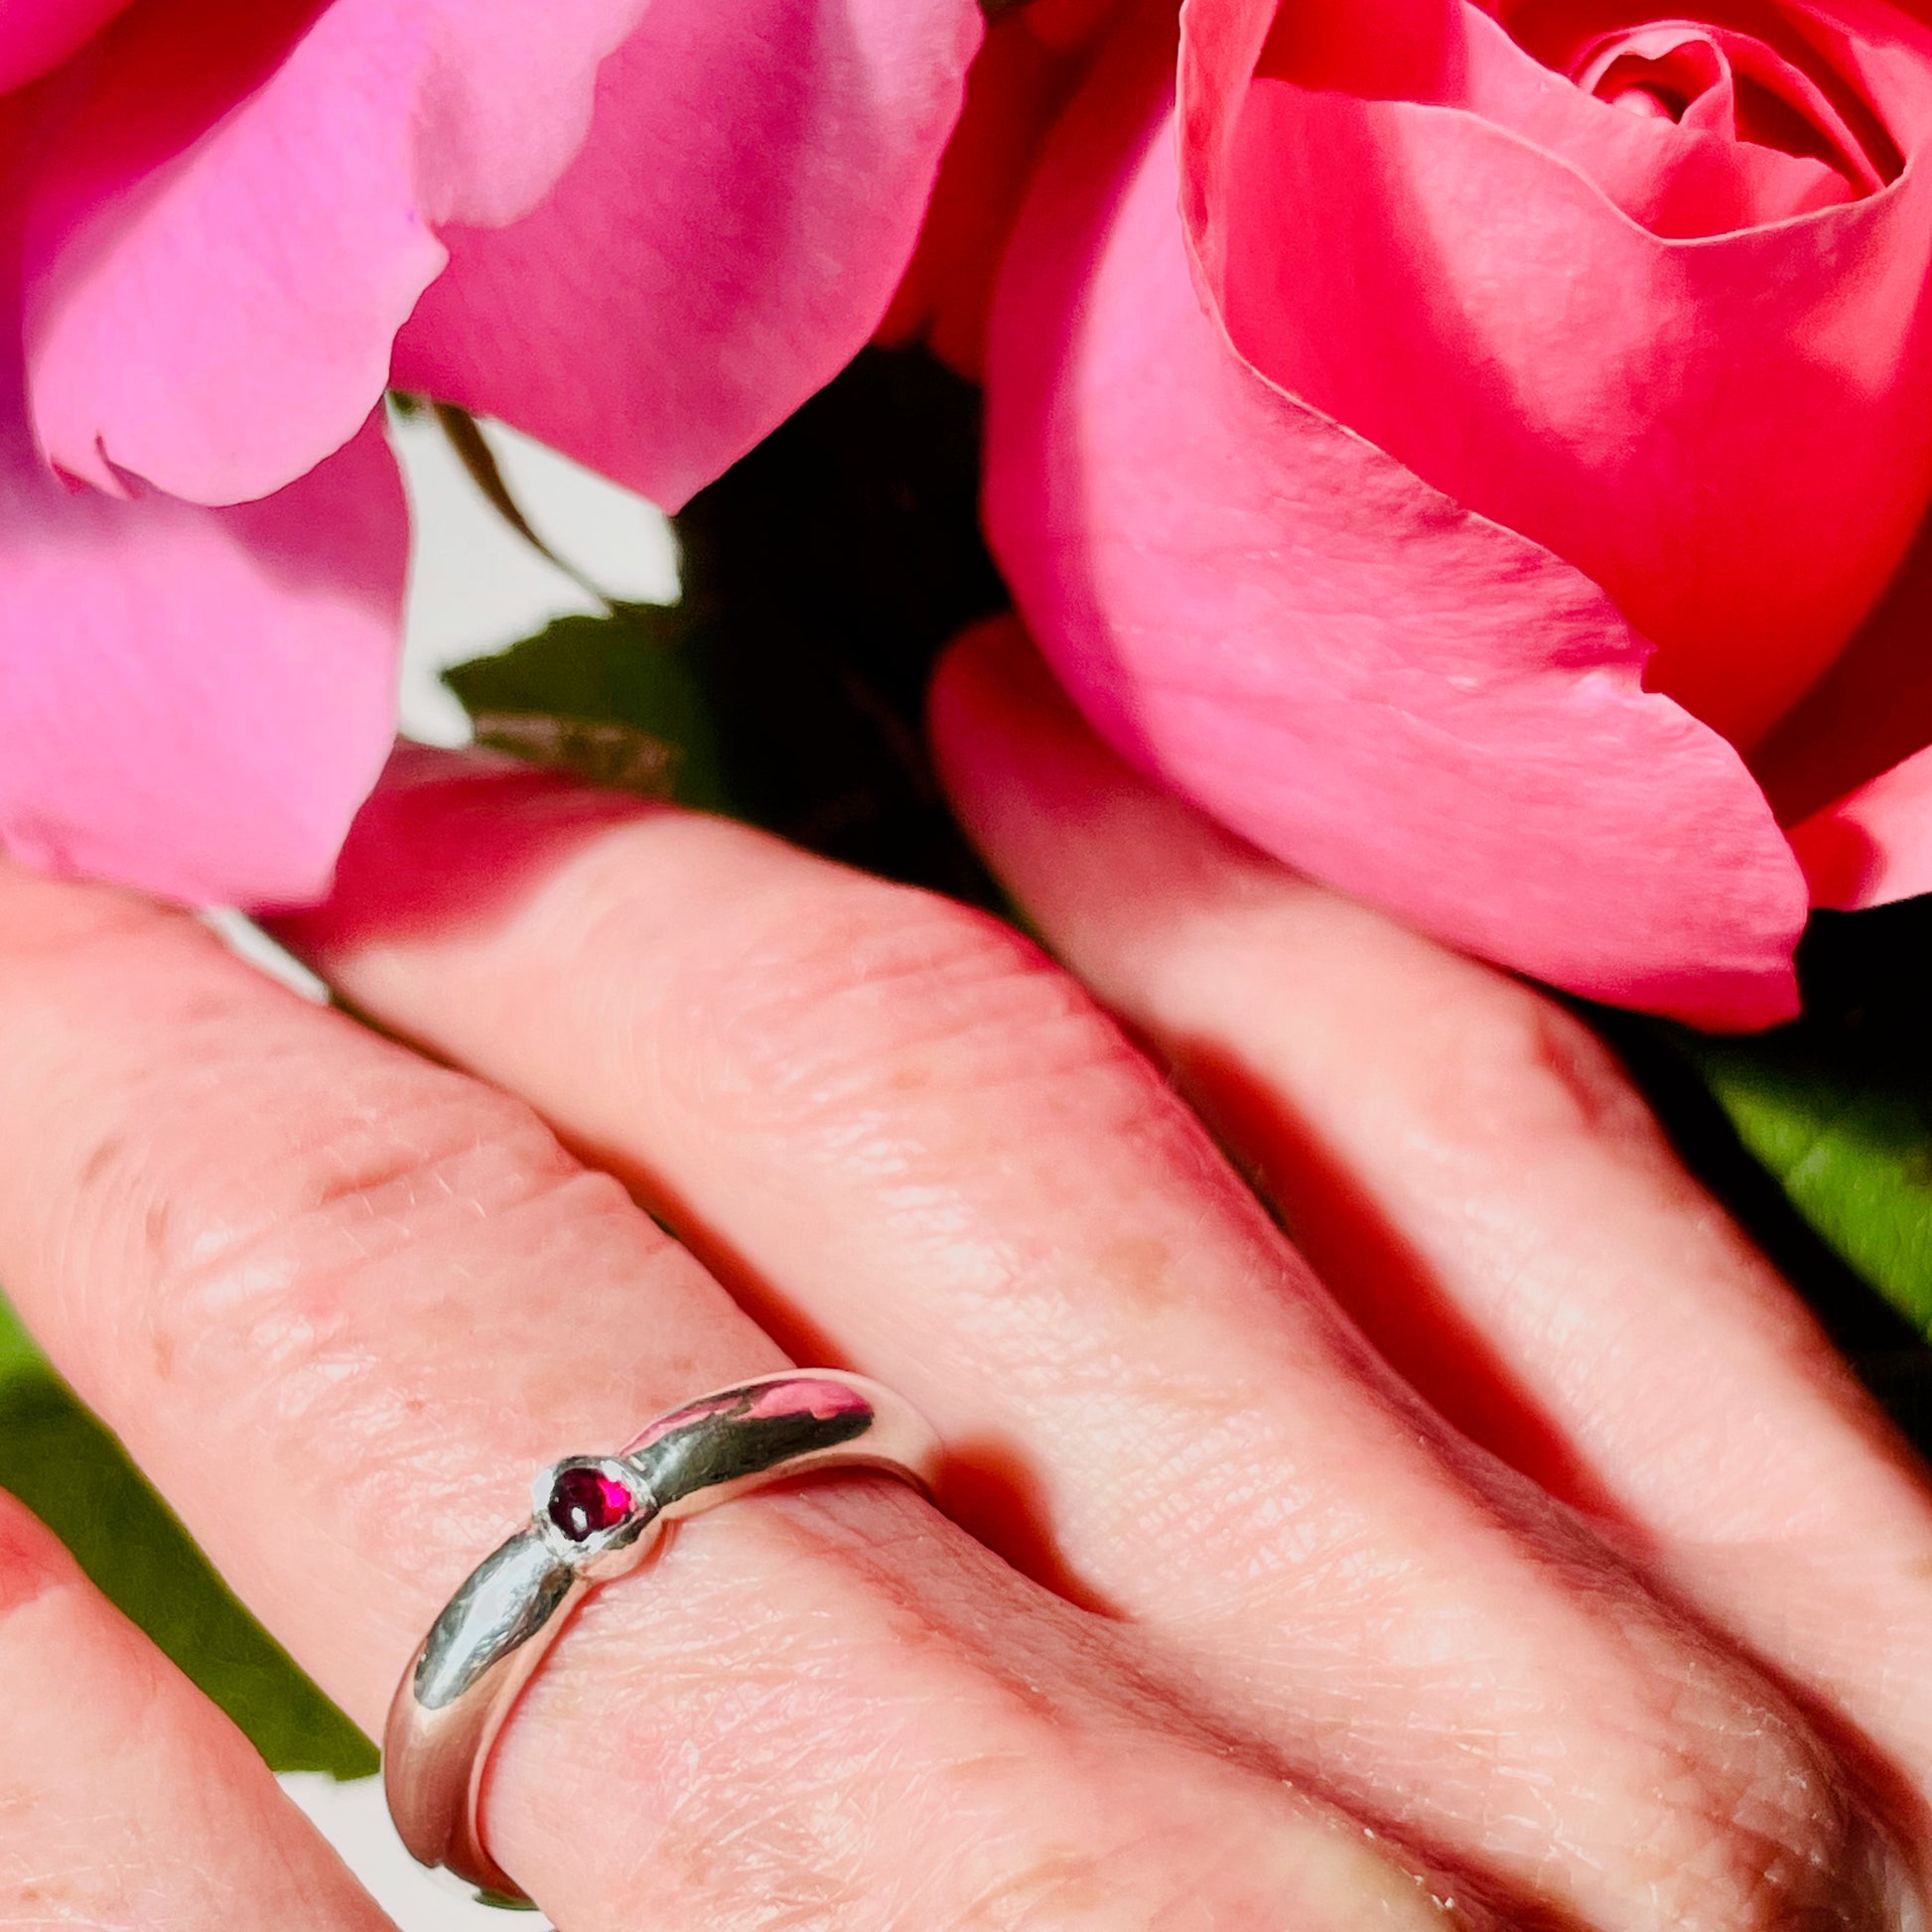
point(1473, 1172)
point(339, 1302)
point(920, 1143)
point(126, 1799)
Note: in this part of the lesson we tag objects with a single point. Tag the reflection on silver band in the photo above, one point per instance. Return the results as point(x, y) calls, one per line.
point(593, 1518)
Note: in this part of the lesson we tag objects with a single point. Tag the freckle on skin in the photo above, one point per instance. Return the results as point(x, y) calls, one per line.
point(155, 1226)
point(101, 1159)
point(1139, 1266)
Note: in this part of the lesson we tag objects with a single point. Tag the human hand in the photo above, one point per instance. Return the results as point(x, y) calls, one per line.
point(1655, 1655)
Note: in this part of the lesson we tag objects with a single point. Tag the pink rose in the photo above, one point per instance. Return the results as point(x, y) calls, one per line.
point(1478, 454)
point(1032, 59)
point(643, 230)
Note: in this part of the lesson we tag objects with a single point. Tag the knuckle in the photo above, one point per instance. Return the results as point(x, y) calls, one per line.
point(1758, 1825)
point(867, 996)
point(857, 1703)
point(381, 1159)
point(1509, 1066)
point(275, 1259)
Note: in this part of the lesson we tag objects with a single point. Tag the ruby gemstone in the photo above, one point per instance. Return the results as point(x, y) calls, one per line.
point(586, 1502)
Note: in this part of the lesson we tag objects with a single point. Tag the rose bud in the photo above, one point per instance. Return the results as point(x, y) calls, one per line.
point(1477, 454)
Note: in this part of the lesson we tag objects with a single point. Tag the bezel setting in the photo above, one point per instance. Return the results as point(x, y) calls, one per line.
point(620, 1535)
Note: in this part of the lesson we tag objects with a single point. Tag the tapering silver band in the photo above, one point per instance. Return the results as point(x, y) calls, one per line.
point(593, 1518)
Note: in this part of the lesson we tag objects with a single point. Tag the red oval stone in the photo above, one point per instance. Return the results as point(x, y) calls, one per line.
point(586, 1502)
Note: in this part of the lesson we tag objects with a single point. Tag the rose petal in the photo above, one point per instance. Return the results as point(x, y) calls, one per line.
point(1874, 845)
point(1673, 179)
point(1378, 686)
point(36, 36)
point(1726, 434)
point(1885, 54)
point(1873, 59)
point(1870, 711)
point(1742, 88)
point(237, 213)
point(1016, 89)
point(1395, 50)
point(195, 701)
point(765, 164)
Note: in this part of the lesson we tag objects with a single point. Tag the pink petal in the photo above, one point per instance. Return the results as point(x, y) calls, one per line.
point(234, 216)
point(1725, 433)
point(1019, 81)
point(1874, 845)
point(1675, 180)
point(767, 163)
point(1383, 689)
point(38, 35)
point(195, 701)
point(1396, 49)
point(1882, 51)
point(1870, 711)
point(1737, 87)
point(1848, 766)
point(233, 221)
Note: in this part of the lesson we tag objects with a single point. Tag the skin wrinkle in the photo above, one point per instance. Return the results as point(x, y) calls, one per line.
point(1545, 1822)
point(823, 1043)
point(1537, 1266)
point(926, 1683)
point(1132, 937)
point(1229, 914)
point(993, 991)
point(1050, 1890)
point(284, 1266)
point(786, 1776)
point(1236, 1504)
point(998, 1022)
point(391, 1138)
point(803, 1757)
point(947, 989)
point(831, 1611)
point(377, 1187)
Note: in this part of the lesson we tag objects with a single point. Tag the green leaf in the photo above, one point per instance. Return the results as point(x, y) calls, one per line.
point(18, 1354)
point(73, 1474)
point(1851, 1147)
point(616, 700)
point(822, 576)
point(1838, 1106)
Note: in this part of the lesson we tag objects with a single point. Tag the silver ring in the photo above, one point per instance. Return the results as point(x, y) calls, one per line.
point(593, 1518)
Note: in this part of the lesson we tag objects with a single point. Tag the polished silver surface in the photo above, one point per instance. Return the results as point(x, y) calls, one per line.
point(593, 1518)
